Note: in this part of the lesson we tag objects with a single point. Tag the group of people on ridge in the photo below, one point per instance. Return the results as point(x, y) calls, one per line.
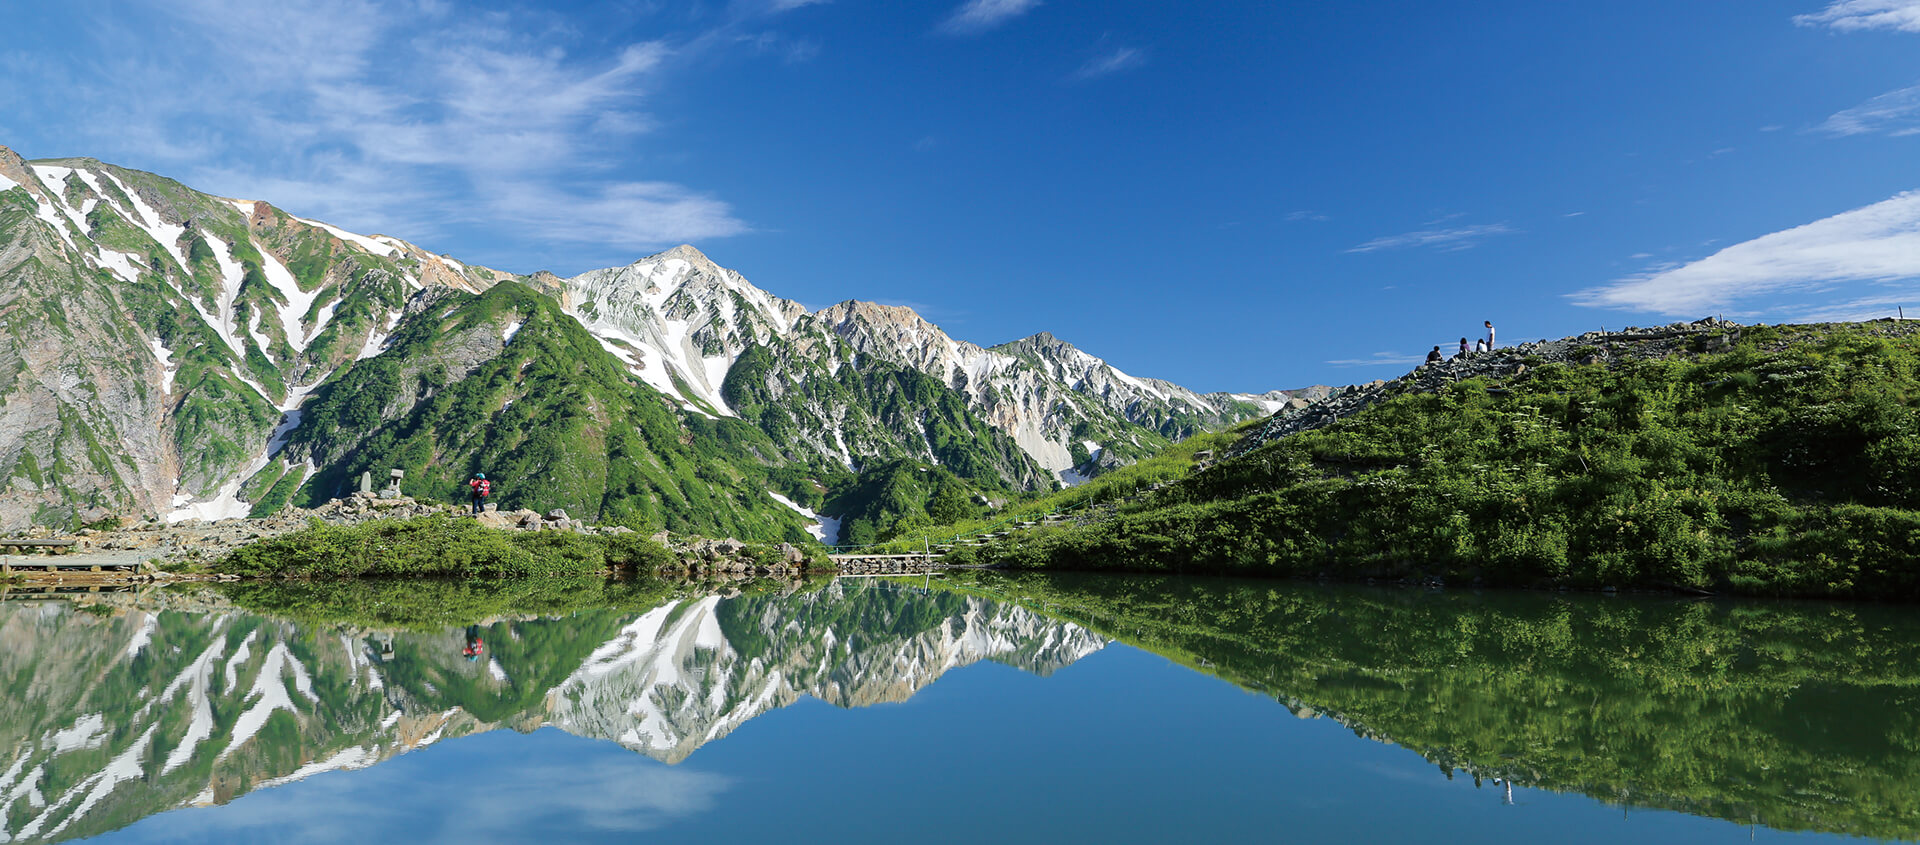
point(1481, 345)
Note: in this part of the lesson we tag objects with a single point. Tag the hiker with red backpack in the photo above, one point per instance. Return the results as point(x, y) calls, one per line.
point(481, 488)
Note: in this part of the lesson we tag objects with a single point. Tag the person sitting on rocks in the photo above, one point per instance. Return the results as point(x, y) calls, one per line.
point(480, 488)
point(1463, 348)
point(1434, 356)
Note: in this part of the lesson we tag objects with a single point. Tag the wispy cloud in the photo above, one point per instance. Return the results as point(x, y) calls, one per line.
point(1893, 113)
point(1107, 64)
point(593, 797)
point(1856, 15)
point(1864, 255)
point(977, 16)
point(1381, 359)
point(1306, 215)
point(1448, 240)
point(407, 119)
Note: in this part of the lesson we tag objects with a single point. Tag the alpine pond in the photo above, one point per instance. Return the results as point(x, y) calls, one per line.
point(1067, 708)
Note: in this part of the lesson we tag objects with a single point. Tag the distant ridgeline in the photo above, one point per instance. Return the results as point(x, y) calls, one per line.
point(1760, 459)
point(166, 353)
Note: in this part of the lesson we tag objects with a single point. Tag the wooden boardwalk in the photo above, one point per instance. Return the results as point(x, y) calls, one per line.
point(26, 566)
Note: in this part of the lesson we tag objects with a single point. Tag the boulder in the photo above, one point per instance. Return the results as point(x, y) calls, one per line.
point(497, 520)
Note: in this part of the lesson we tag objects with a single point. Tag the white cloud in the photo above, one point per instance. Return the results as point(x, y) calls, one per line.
point(577, 799)
point(1123, 58)
point(1856, 15)
point(1450, 240)
point(1894, 113)
point(1876, 247)
point(1381, 359)
point(1306, 215)
point(408, 119)
point(977, 16)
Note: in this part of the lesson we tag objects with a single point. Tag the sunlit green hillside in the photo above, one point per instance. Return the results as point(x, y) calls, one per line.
point(1788, 463)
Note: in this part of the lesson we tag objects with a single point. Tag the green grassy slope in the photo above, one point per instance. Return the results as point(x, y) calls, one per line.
point(550, 417)
point(1789, 464)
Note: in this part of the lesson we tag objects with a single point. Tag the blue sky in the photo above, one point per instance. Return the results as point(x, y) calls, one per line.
point(1233, 196)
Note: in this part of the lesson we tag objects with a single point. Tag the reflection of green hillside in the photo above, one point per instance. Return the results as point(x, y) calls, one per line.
point(876, 610)
point(1799, 716)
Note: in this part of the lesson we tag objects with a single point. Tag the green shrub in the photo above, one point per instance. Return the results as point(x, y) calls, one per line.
point(439, 545)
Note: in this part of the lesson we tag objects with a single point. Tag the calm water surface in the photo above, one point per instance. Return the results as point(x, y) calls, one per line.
point(991, 708)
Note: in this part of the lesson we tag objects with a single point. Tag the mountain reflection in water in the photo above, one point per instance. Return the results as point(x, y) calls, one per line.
point(1797, 717)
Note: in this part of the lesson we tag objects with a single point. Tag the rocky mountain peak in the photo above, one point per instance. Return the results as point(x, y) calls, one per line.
point(685, 252)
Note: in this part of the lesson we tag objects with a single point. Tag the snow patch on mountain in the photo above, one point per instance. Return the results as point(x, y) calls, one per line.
point(826, 529)
point(271, 690)
point(123, 768)
point(143, 636)
point(369, 244)
point(346, 760)
point(87, 732)
point(119, 263)
point(298, 302)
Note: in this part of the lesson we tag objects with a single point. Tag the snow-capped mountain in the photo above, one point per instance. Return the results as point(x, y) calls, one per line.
point(678, 321)
point(160, 337)
point(180, 355)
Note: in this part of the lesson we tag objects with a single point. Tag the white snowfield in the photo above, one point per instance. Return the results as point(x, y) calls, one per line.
point(826, 529)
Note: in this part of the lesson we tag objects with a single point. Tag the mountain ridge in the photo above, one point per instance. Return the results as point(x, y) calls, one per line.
point(193, 333)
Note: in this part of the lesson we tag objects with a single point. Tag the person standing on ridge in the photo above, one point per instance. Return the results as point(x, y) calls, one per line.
point(481, 488)
point(1489, 325)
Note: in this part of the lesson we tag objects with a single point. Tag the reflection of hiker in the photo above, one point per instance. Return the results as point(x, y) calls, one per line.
point(481, 489)
point(474, 646)
point(1434, 356)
